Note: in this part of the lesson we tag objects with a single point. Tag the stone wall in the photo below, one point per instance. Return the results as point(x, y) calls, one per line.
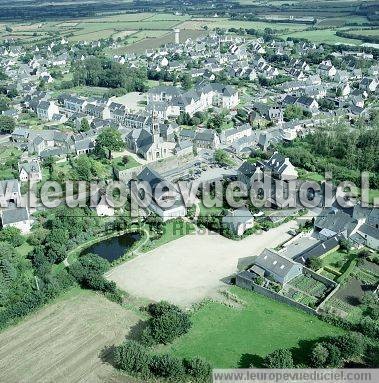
point(248, 284)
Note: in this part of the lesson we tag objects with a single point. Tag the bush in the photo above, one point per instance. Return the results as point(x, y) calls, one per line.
point(281, 358)
point(132, 357)
point(351, 345)
point(319, 356)
point(114, 297)
point(147, 338)
point(161, 308)
point(88, 272)
point(369, 327)
point(198, 368)
point(167, 366)
point(167, 323)
point(169, 326)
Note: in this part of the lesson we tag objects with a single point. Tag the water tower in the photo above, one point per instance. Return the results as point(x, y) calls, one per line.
point(177, 35)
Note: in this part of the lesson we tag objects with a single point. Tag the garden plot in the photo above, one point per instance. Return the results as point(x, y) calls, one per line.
point(306, 290)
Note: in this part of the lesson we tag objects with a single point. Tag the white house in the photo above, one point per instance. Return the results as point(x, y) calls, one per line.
point(370, 235)
point(46, 110)
point(230, 135)
point(17, 217)
point(30, 171)
point(326, 69)
point(103, 209)
point(238, 221)
point(281, 167)
point(368, 84)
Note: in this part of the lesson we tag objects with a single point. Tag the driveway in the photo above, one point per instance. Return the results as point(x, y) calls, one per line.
point(191, 268)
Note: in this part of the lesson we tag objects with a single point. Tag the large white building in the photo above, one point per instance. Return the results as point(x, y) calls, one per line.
point(171, 101)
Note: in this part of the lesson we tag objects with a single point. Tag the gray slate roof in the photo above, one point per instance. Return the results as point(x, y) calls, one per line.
point(14, 215)
point(274, 263)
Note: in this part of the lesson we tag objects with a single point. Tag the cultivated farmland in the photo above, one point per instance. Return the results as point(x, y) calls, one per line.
point(62, 342)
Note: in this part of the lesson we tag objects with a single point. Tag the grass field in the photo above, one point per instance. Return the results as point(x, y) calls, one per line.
point(140, 27)
point(322, 36)
point(94, 28)
point(225, 335)
point(213, 23)
point(366, 32)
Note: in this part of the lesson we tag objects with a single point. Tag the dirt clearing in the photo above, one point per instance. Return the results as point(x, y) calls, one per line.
point(191, 268)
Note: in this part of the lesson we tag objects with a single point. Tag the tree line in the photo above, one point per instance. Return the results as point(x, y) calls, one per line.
point(102, 72)
point(342, 150)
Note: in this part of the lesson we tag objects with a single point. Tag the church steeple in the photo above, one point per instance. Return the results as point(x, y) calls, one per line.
point(155, 125)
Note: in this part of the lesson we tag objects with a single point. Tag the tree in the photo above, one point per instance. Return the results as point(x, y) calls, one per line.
point(4, 103)
point(84, 125)
point(334, 356)
point(345, 245)
point(351, 345)
point(109, 139)
point(49, 164)
point(56, 244)
point(369, 327)
point(186, 81)
point(222, 157)
point(281, 358)
point(38, 236)
point(7, 124)
point(315, 263)
point(132, 357)
point(319, 356)
point(198, 368)
point(82, 168)
point(12, 235)
point(125, 159)
point(88, 272)
point(167, 323)
point(40, 261)
point(167, 366)
point(293, 112)
point(216, 122)
point(371, 305)
point(95, 71)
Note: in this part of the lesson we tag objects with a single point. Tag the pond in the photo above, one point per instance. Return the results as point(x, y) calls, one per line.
point(113, 248)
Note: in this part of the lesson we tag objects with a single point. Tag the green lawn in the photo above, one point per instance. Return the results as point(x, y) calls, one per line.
point(24, 249)
point(172, 230)
point(373, 193)
point(222, 335)
point(337, 260)
point(209, 210)
point(310, 176)
point(132, 163)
